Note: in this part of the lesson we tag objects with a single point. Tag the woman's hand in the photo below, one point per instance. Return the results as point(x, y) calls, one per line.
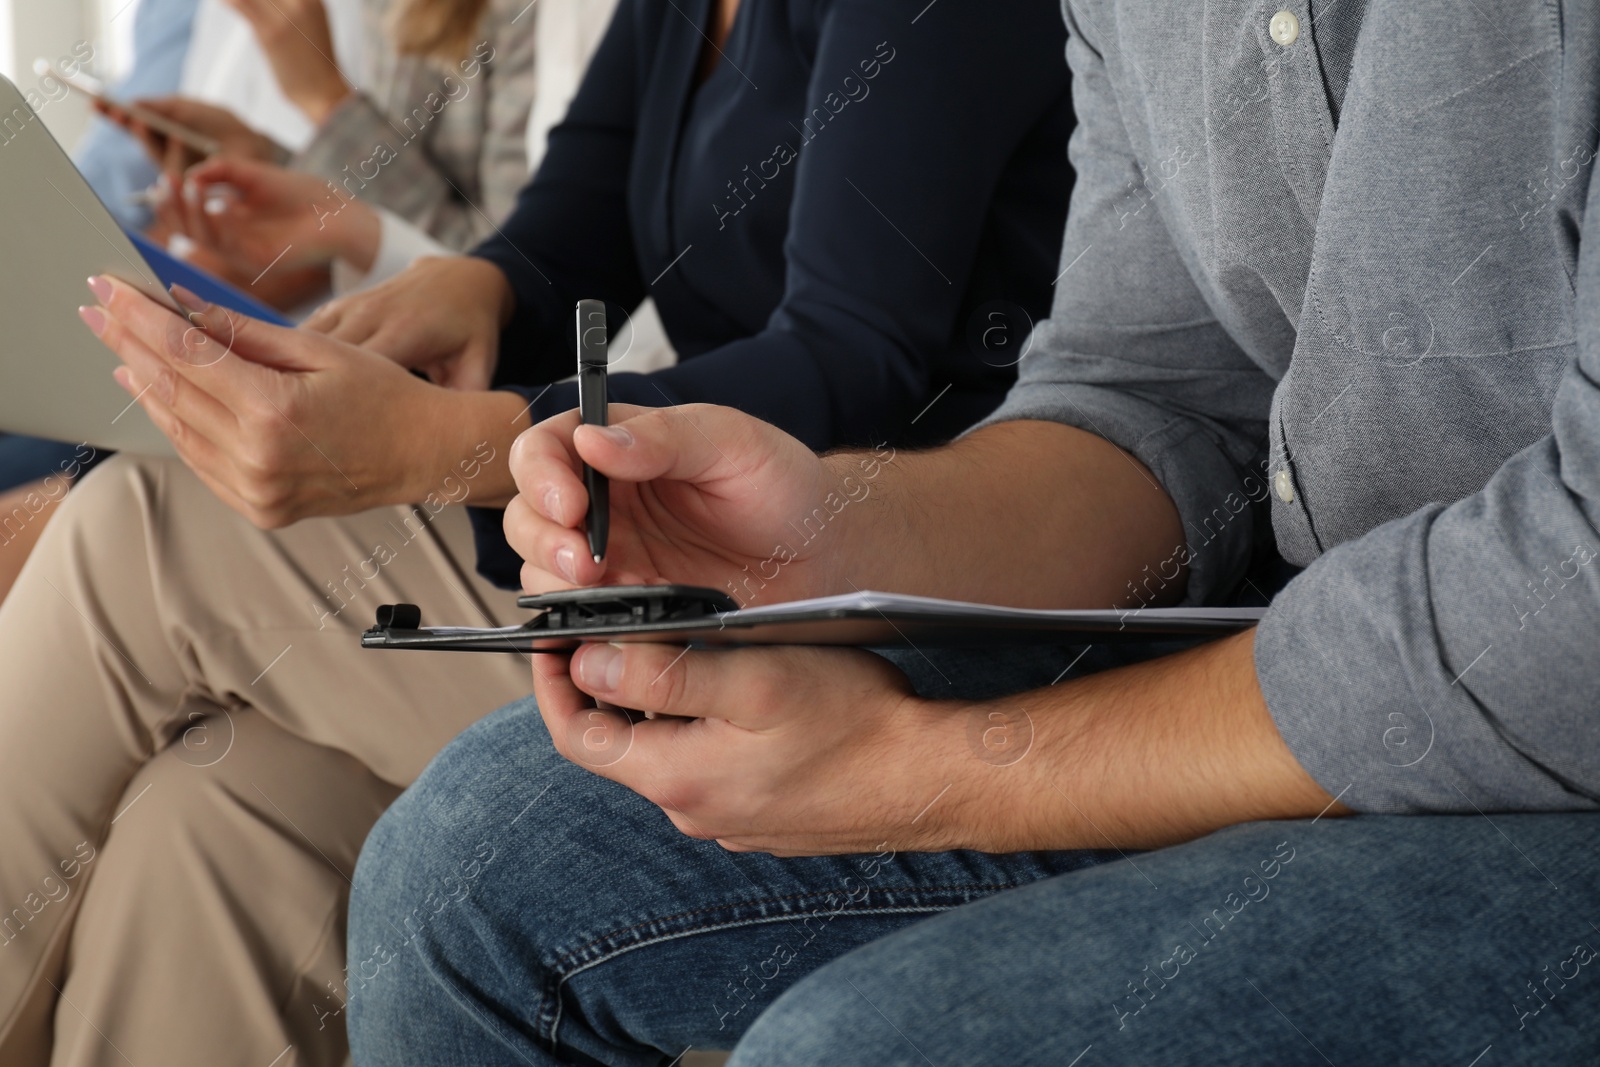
point(235, 139)
point(699, 494)
point(442, 316)
point(253, 216)
point(285, 425)
point(298, 42)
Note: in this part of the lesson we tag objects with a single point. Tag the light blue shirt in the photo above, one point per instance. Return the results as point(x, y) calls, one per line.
point(114, 162)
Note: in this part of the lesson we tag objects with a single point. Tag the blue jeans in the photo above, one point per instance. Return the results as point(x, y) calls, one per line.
point(30, 459)
point(514, 908)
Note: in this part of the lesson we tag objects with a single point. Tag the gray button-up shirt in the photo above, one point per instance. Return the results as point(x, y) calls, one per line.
point(1385, 334)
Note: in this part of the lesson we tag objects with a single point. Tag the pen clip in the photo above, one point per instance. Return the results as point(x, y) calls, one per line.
point(592, 340)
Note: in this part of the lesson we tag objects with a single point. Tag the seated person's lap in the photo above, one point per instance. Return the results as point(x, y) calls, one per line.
point(529, 908)
point(1397, 939)
point(500, 826)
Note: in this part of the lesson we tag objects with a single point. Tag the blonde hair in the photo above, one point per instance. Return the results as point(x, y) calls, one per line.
point(436, 30)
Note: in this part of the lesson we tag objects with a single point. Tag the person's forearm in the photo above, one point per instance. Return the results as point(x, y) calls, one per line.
point(357, 234)
point(1139, 757)
point(1032, 514)
point(321, 100)
point(471, 441)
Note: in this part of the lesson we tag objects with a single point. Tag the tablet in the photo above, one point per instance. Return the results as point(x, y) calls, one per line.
point(56, 234)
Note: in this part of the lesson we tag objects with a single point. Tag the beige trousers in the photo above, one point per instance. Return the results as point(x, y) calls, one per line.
point(193, 747)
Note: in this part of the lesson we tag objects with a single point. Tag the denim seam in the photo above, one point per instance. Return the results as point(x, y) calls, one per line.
point(571, 954)
point(554, 994)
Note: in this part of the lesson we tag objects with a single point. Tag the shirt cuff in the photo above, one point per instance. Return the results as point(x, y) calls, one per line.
point(400, 244)
point(1216, 504)
point(1349, 661)
point(497, 563)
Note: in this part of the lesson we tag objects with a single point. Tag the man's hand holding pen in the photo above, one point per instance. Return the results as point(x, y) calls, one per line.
point(783, 749)
point(762, 749)
point(697, 495)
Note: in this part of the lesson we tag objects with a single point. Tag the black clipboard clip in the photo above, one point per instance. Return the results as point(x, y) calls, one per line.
point(627, 605)
point(562, 616)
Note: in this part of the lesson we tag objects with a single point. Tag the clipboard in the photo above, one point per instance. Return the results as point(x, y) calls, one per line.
point(690, 615)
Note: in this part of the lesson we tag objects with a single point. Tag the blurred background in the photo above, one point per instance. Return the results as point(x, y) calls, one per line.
point(50, 28)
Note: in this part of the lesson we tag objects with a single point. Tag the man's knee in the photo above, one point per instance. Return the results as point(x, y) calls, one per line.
point(824, 1018)
point(502, 856)
point(404, 908)
point(436, 870)
point(434, 845)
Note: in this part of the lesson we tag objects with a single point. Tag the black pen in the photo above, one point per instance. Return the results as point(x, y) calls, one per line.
point(592, 406)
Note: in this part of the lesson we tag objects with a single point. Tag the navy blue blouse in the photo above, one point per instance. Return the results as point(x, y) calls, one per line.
point(856, 215)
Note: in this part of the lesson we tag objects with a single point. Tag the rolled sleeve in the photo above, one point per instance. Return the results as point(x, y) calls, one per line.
point(1133, 354)
point(1445, 661)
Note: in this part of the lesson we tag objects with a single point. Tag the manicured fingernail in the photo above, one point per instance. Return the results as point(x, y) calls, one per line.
point(617, 435)
point(600, 668)
point(93, 318)
point(552, 505)
point(189, 299)
point(125, 378)
point(101, 289)
point(566, 563)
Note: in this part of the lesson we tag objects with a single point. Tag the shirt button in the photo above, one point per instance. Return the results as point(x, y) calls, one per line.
point(1285, 28)
point(1283, 485)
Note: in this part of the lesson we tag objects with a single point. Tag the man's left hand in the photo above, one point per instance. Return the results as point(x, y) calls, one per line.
point(807, 751)
point(792, 751)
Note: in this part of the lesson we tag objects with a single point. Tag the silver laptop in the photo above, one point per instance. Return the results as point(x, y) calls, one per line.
point(55, 377)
